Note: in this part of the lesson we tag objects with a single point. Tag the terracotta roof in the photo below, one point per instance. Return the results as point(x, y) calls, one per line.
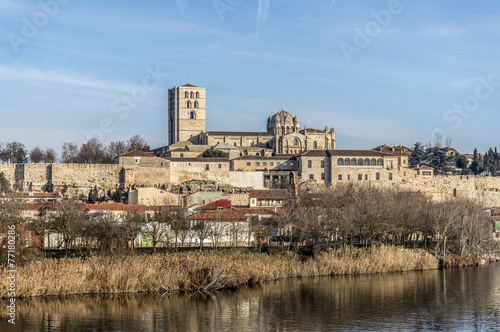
point(421, 167)
point(138, 153)
point(356, 153)
point(398, 150)
point(237, 133)
point(225, 203)
point(187, 85)
point(220, 215)
point(314, 153)
point(269, 194)
point(32, 195)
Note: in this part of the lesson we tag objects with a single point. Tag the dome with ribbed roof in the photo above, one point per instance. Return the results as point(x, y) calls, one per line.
point(282, 123)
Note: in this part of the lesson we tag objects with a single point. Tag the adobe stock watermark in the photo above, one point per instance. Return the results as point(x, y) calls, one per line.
point(461, 111)
point(223, 6)
point(364, 36)
point(127, 102)
point(32, 25)
point(11, 273)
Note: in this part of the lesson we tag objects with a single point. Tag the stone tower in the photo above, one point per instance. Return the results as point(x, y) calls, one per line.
point(186, 113)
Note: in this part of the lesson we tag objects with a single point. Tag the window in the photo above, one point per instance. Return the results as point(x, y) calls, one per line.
point(340, 161)
point(366, 177)
point(426, 173)
point(347, 162)
point(197, 94)
point(390, 176)
point(348, 176)
point(360, 177)
point(264, 163)
point(207, 167)
point(136, 160)
point(373, 162)
point(257, 163)
point(192, 94)
point(192, 115)
point(322, 176)
point(322, 164)
point(315, 145)
point(311, 176)
point(340, 177)
point(309, 163)
point(278, 163)
point(367, 162)
point(360, 162)
point(404, 173)
point(380, 162)
point(182, 155)
point(284, 164)
point(291, 163)
point(186, 94)
point(249, 163)
point(234, 143)
point(220, 165)
point(188, 104)
point(195, 104)
point(377, 176)
point(353, 162)
point(271, 163)
point(404, 161)
point(296, 142)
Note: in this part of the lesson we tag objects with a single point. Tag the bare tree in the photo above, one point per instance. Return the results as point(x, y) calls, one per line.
point(68, 220)
point(69, 152)
point(132, 225)
point(14, 152)
point(36, 155)
point(136, 142)
point(50, 155)
point(117, 148)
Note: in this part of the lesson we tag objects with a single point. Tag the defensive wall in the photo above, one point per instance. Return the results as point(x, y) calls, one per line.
point(76, 179)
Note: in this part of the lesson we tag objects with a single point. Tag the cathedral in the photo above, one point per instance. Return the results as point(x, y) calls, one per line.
point(186, 127)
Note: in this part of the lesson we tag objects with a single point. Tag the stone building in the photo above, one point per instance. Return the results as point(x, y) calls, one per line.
point(186, 118)
point(186, 113)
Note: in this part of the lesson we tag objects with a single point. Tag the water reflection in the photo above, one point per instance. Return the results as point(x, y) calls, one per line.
point(464, 299)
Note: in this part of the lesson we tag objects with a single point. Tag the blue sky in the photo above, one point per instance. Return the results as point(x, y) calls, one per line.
point(379, 72)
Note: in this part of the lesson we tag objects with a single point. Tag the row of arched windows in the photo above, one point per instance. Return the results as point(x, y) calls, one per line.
point(195, 104)
point(360, 162)
point(191, 95)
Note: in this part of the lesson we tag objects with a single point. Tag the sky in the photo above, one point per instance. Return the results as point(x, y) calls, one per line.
point(379, 72)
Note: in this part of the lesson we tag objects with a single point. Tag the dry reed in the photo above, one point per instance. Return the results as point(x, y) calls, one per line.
point(199, 270)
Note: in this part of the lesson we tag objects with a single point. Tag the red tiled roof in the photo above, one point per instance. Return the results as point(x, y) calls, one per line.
point(201, 160)
point(34, 195)
point(356, 153)
point(269, 194)
point(237, 133)
point(187, 85)
point(225, 203)
point(394, 149)
point(258, 211)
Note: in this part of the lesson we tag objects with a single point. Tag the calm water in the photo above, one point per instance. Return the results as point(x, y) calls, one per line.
point(453, 300)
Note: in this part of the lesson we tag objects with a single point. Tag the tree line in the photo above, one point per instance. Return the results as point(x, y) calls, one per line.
point(90, 152)
point(346, 215)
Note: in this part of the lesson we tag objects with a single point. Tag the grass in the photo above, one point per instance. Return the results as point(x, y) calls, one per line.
point(199, 271)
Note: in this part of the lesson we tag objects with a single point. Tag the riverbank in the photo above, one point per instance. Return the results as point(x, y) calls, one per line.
point(199, 271)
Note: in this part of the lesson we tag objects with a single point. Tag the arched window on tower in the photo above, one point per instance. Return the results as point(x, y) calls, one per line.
point(373, 162)
point(188, 104)
point(186, 94)
point(347, 162)
point(192, 94)
point(197, 94)
point(296, 142)
point(288, 131)
point(367, 162)
point(315, 145)
point(353, 161)
point(380, 162)
point(340, 161)
point(195, 104)
point(192, 115)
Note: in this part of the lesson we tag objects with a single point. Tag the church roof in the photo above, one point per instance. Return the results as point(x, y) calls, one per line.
point(187, 85)
point(138, 153)
point(237, 133)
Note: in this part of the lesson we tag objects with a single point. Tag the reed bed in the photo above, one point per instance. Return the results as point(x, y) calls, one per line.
point(199, 271)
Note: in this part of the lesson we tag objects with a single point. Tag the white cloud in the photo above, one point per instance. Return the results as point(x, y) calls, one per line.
point(33, 75)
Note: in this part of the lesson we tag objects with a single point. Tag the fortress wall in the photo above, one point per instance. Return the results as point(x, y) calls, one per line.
point(148, 176)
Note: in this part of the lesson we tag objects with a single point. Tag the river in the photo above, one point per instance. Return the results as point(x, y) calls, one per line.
point(466, 299)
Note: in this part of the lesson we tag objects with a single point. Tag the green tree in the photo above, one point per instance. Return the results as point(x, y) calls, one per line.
point(4, 184)
point(418, 155)
point(476, 166)
point(214, 154)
